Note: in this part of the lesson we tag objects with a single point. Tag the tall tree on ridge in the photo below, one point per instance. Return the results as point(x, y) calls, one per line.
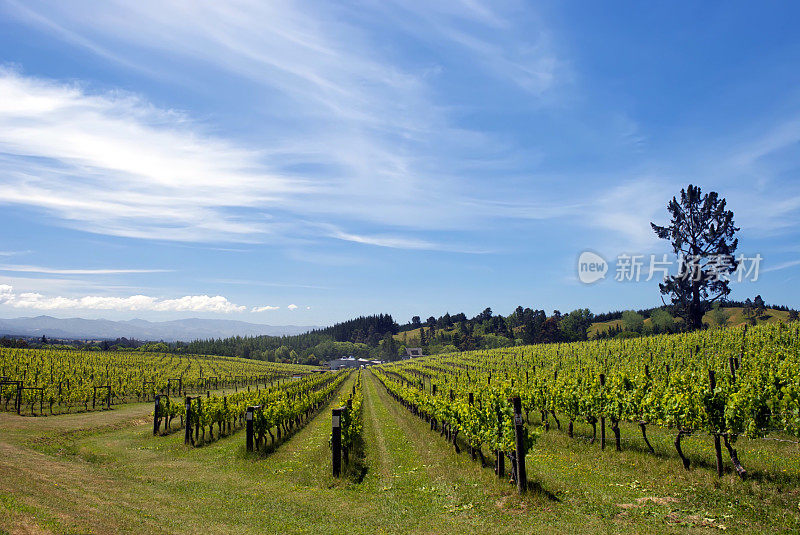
point(701, 232)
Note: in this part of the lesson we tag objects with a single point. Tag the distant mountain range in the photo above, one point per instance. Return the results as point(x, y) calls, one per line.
point(169, 331)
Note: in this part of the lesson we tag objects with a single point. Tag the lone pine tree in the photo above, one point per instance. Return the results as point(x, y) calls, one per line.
point(701, 232)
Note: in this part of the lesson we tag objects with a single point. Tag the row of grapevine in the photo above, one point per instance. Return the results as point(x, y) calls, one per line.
point(59, 380)
point(727, 382)
point(283, 407)
point(294, 410)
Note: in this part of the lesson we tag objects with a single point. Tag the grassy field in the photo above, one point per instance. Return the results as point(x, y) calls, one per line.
point(103, 472)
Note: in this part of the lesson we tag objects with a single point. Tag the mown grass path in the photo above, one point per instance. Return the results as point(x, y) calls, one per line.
point(422, 485)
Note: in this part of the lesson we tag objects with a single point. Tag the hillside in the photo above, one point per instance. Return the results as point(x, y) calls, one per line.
point(736, 318)
point(485, 336)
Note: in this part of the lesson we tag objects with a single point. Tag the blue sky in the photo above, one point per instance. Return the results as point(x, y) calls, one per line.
point(303, 163)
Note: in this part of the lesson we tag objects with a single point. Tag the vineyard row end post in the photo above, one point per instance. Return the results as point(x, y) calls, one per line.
point(187, 437)
point(156, 414)
point(336, 441)
point(248, 417)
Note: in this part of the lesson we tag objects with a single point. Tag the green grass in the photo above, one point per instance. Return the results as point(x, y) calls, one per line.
point(105, 473)
point(737, 316)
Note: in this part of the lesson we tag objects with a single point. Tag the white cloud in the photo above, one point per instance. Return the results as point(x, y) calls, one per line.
point(292, 307)
point(112, 163)
point(188, 303)
point(264, 308)
point(56, 271)
point(6, 293)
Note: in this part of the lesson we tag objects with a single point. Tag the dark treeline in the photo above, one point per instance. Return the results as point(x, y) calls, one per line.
point(617, 314)
point(366, 336)
point(42, 342)
point(748, 303)
point(487, 330)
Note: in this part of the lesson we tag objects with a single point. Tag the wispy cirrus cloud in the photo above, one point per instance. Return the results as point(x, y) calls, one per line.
point(134, 303)
point(250, 282)
point(112, 163)
point(320, 54)
point(70, 285)
point(16, 268)
point(782, 265)
point(384, 146)
point(395, 242)
point(363, 137)
point(507, 41)
point(784, 135)
point(264, 308)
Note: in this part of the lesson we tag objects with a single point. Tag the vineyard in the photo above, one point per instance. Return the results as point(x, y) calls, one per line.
point(696, 431)
point(35, 381)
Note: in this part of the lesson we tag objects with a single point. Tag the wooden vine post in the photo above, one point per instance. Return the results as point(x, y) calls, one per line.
point(336, 441)
point(187, 437)
point(248, 417)
point(157, 415)
point(519, 432)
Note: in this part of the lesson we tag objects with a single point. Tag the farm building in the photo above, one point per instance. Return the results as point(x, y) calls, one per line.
point(412, 352)
point(350, 362)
